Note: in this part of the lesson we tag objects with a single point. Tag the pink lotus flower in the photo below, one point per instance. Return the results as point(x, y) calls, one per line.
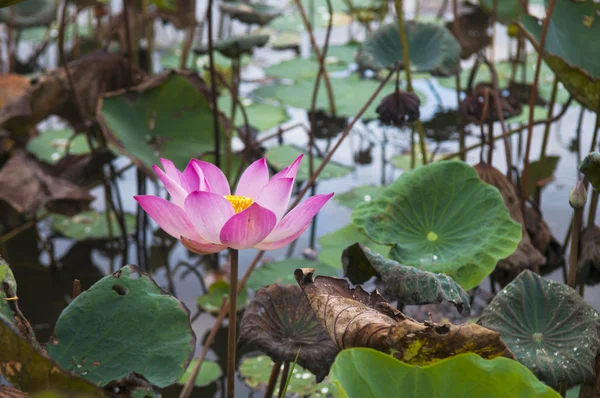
point(206, 218)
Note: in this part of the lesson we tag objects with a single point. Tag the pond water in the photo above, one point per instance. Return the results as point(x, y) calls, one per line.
point(44, 290)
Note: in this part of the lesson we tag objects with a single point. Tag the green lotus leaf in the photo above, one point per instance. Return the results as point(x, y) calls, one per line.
point(366, 373)
point(549, 328)
point(168, 116)
point(236, 46)
point(442, 218)
point(212, 300)
point(250, 13)
point(282, 156)
point(31, 371)
point(282, 272)
point(432, 49)
point(410, 285)
point(210, 372)
point(28, 13)
point(52, 145)
point(256, 371)
point(540, 171)
point(8, 3)
point(91, 225)
point(590, 167)
point(104, 334)
point(571, 29)
point(280, 322)
point(334, 243)
point(506, 10)
point(349, 92)
point(261, 116)
point(7, 278)
point(358, 195)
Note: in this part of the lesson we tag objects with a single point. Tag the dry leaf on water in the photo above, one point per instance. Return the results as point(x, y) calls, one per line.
point(279, 321)
point(355, 318)
point(526, 255)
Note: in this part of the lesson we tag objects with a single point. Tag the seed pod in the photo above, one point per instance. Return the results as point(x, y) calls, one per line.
point(399, 108)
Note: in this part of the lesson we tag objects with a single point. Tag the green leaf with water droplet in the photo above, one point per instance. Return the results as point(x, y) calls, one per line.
point(442, 218)
point(91, 225)
point(549, 328)
point(410, 285)
point(51, 145)
point(358, 195)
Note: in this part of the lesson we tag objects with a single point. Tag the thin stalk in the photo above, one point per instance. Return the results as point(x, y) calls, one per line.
point(236, 69)
point(550, 112)
point(538, 67)
point(563, 389)
point(213, 84)
point(593, 209)
point(461, 129)
point(273, 380)
point(284, 376)
point(76, 288)
point(283, 390)
point(9, 40)
point(409, 87)
point(189, 385)
point(574, 247)
point(231, 330)
point(128, 38)
point(187, 46)
point(148, 29)
point(320, 57)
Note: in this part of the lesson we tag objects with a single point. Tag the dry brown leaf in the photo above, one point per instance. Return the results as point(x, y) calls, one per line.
point(12, 87)
point(479, 106)
point(543, 240)
point(182, 17)
point(526, 255)
point(10, 392)
point(26, 186)
point(472, 34)
point(355, 318)
point(94, 74)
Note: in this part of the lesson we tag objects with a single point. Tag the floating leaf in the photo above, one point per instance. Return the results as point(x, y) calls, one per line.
point(281, 156)
point(52, 145)
point(168, 116)
point(404, 161)
point(358, 195)
point(256, 372)
point(442, 218)
point(355, 318)
point(431, 49)
point(91, 225)
point(209, 373)
point(333, 243)
point(282, 272)
point(566, 47)
point(365, 373)
point(212, 301)
point(261, 116)
point(124, 323)
point(408, 284)
point(349, 92)
point(549, 327)
point(279, 321)
point(236, 46)
point(26, 368)
point(250, 13)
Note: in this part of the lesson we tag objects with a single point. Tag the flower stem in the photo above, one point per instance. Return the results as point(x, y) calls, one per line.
point(574, 247)
point(231, 340)
point(273, 380)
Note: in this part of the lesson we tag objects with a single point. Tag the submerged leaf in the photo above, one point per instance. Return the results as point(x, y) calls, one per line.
point(431, 49)
point(124, 323)
point(355, 318)
point(549, 327)
point(279, 321)
point(365, 373)
point(92, 225)
point(281, 156)
point(409, 285)
point(442, 218)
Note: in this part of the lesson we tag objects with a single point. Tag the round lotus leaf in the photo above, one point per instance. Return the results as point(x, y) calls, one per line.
point(250, 13)
point(505, 10)
point(256, 371)
point(334, 243)
point(279, 321)
point(212, 300)
point(366, 373)
point(282, 272)
point(124, 323)
point(236, 46)
point(52, 145)
point(358, 195)
point(209, 372)
point(261, 116)
point(282, 156)
point(442, 218)
point(549, 328)
point(91, 225)
point(431, 49)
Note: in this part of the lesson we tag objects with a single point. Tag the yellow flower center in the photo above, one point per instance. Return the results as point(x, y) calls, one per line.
point(239, 203)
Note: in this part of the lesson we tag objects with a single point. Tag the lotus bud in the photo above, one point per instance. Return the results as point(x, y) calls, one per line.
point(590, 167)
point(399, 108)
point(578, 196)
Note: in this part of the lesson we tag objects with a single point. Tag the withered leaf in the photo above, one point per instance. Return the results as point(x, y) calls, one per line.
point(472, 30)
point(355, 318)
point(526, 255)
point(279, 321)
point(26, 186)
point(480, 107)
point(408, 284)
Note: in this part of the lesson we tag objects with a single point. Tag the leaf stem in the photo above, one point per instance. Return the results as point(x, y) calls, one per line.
point(273, 380)
point(213, 85)
point(231, 330)
point(284, 378)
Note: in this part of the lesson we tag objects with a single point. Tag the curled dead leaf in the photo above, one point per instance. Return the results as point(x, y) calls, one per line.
point(526, 255)
point(355, 318)
point(479, 106)
point(472, 33)
point(279, 321)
